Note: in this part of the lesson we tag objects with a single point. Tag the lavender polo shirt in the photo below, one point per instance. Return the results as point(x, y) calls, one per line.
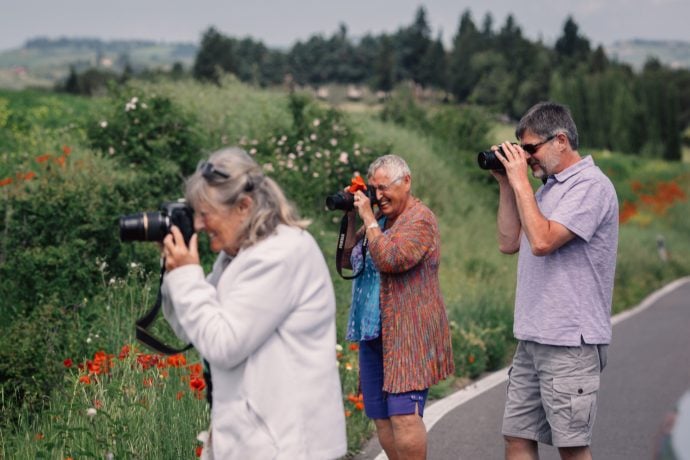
point(565, 297)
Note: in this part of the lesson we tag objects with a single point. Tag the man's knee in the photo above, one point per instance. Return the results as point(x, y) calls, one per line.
point(575, 453)
point(520, 448)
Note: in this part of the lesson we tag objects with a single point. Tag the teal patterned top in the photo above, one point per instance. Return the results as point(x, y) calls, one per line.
point(364, 322)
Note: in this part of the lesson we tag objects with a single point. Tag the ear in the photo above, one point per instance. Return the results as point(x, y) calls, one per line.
point(563, 142)
point(245, 205)
point(407, 181)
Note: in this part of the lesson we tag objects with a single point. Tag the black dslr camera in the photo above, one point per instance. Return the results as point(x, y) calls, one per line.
point(488, 160)
point(154, 226)
point(345, 201)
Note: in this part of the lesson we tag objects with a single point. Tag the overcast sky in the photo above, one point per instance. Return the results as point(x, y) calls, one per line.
point(281, 23)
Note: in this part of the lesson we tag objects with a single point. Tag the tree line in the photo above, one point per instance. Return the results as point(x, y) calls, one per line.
point(616, 108)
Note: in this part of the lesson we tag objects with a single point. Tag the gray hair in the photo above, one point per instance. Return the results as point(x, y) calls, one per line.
point(245, 179)
point(547, 119)
point(394, 165)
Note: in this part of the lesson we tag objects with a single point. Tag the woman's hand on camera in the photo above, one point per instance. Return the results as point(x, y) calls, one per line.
point(177, 253)
point(363, 206)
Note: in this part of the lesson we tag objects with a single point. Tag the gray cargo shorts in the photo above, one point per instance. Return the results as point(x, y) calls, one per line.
point(552, 393)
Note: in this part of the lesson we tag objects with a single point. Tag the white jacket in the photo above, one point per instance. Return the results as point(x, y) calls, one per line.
point(266, 325)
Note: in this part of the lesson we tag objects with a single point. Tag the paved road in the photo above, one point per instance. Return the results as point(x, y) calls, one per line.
point(648, 370)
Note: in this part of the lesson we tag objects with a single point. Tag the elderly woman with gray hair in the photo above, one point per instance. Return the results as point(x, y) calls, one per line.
point(263, 319)
point(397, 314)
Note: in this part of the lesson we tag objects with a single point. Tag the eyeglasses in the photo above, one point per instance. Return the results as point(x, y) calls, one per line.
point(532, 148)
point(385, 188)
point(210, 172)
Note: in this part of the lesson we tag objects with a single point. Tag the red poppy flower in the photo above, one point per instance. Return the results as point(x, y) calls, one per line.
point(68, 362)
point(5, 181)
point(177, 360)
point(43, 158)
point(198, 450)
point(357, 184)
point(66, 149)
point(197, 384)
point(85, 379)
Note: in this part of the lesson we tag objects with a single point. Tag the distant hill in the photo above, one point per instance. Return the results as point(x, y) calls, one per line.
point(675, 54)
point(43, 61)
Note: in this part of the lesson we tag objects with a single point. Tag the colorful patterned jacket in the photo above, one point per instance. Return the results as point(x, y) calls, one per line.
point(417, 349)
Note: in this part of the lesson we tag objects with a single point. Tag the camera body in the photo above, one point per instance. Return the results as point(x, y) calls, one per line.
point(345, 201)
point(488, 160)
point(154, 226)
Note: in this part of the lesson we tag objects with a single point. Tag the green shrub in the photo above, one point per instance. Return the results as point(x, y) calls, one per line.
point(318, 157)
point(58, 229)
point(141, 130)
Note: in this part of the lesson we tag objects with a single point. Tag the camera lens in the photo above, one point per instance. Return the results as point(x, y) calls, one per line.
point(341, 200)
point(488, 160)
point(144, 226)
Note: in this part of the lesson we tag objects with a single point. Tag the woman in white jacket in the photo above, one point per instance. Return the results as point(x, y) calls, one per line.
point(264, 318)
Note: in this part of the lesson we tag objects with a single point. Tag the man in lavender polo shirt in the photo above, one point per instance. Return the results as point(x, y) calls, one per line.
point(567, 237)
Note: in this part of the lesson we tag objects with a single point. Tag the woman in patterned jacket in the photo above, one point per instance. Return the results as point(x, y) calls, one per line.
point(397, 313)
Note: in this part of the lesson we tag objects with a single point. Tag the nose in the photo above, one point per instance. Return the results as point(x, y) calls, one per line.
point(379, 194)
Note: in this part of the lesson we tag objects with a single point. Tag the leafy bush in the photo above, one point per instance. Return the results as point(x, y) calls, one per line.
point(316, 158)
point(59, 228)
point(142, 130)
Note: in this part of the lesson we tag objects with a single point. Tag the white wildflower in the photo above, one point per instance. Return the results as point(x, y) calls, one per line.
point(111, 150)
point(103, 123)
point(268, 167)
point(315, 174)
point(91, 412)
point(316, 122)
point(338, 347)
point(252, 151)
point(312, 137)
point(343, 158)
point(334, 142)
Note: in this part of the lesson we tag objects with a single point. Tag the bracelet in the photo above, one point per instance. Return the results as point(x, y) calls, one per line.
point(374, 225)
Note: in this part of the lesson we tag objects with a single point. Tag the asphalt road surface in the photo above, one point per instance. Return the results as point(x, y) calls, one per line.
point(648, 370)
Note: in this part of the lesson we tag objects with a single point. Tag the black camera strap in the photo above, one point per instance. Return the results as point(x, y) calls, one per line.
point(341, 248)
point(143, 323)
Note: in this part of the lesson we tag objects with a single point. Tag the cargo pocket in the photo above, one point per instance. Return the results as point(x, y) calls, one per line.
point(581, 392)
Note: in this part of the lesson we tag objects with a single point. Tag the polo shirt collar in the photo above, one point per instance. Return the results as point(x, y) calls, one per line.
point(586, 162)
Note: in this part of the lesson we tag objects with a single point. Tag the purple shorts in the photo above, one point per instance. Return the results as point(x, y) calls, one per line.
point(379, 403)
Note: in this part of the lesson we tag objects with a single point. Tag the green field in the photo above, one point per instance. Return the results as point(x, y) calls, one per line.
point(92, 160)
